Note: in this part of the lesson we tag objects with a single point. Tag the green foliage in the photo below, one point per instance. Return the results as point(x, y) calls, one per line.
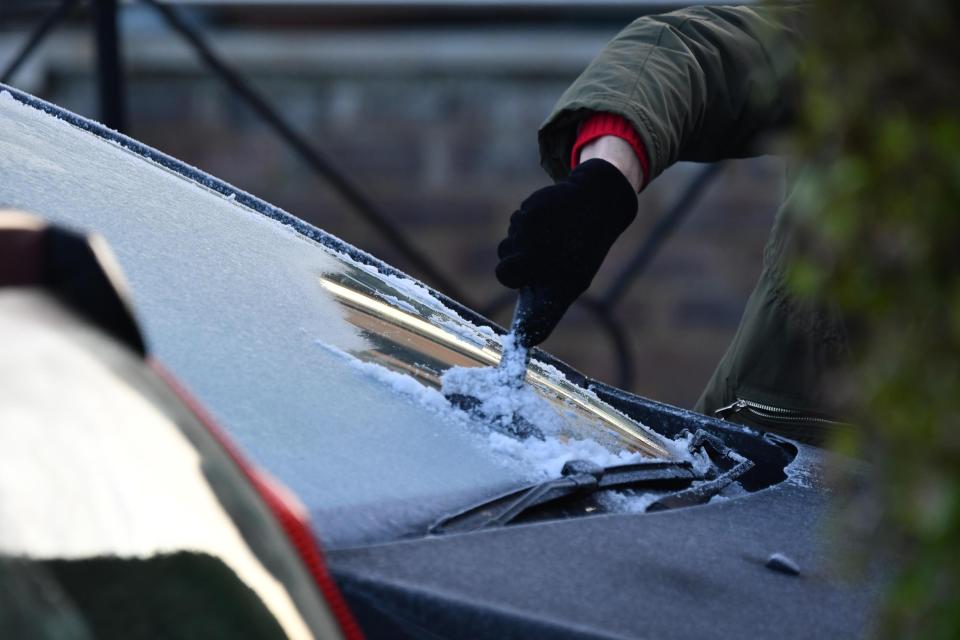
point(881, 127)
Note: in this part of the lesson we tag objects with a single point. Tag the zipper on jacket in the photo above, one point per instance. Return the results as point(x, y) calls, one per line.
point(772, 413)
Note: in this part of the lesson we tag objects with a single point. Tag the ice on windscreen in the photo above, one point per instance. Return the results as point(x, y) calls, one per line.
point(535, 458)
point(229, 300)
point(496, 398)
point(500, 395)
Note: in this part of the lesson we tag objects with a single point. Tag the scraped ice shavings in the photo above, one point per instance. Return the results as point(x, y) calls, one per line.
point(501, 402)
point(545, 458)
point(620, 502)
point(499, 398)
point(505, 406)
point(534, 458)
point(631, 502)
point(538, 458)
point(498, 395)
point(681, 447)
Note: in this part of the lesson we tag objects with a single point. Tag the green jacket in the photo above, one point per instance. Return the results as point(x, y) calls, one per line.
point(703, 84)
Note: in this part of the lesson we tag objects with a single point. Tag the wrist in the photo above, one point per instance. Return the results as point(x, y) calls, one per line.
point(607, 192)
point(617, 152)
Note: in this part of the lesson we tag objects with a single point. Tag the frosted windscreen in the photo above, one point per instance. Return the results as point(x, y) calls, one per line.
point(234, 304)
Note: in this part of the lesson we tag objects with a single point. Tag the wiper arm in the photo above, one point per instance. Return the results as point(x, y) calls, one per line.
point(731, 464)
point(579, 477)
point(582, 478)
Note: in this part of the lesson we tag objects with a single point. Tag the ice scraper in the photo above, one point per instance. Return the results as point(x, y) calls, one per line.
point(510, 374)
point(516, 348)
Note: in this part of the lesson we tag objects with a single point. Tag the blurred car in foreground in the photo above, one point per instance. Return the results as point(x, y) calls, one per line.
point(622, 518)
point(124, 514)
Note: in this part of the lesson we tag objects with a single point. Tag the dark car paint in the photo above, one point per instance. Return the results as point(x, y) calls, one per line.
point(690, 573)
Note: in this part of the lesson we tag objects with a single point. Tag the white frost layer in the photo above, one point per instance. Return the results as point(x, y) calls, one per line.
point(403, 384)
point(800, 473)
point(699, 459)
point(469, 332)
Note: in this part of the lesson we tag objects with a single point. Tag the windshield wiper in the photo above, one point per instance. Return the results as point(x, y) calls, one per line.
point(580, 478)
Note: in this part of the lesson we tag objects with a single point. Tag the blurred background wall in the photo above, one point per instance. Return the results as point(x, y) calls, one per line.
point(433, 109)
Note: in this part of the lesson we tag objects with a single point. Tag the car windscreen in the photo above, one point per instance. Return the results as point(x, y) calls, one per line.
point(317, 364)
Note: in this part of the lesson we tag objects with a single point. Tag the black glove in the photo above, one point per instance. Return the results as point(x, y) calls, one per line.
point(558, 239)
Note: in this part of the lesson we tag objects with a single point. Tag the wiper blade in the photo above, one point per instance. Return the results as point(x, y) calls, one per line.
point(581, 478)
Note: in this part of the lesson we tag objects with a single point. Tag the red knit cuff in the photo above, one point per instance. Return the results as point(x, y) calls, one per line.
point(609, 124)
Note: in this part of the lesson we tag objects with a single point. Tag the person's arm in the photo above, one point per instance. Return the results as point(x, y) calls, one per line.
point(610, 137)
point(697, 84)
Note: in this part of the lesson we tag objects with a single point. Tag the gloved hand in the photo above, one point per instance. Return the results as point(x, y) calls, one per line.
point(558, 239)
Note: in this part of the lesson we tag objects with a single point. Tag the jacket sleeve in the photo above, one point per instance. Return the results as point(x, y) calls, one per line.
point(697, 84)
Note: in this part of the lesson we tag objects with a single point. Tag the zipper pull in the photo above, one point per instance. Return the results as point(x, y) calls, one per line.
point(734, 407)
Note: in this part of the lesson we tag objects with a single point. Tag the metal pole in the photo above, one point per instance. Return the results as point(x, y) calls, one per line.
point(110, 85)
point(49, 22)
point(661, 231)
point(618, 337)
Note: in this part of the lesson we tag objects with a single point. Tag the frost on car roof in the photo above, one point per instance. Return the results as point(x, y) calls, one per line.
point(236, 305)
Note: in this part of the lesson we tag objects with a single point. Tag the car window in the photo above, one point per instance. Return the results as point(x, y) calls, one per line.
point(257, 320)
